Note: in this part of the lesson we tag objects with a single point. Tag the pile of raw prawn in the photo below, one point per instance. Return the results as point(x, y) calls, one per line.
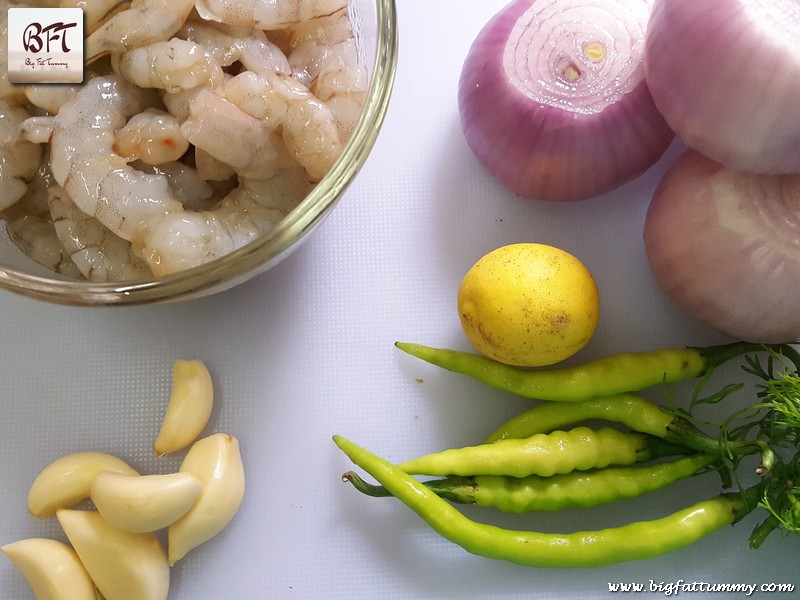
point(199, 125)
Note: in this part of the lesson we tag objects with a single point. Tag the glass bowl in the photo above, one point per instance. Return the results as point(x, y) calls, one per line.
point(375, 25)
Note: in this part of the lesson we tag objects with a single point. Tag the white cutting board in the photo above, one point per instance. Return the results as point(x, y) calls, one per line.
point(306, 351)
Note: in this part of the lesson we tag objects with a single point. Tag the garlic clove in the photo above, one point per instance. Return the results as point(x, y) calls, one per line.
point(67, 480)
point(123, 565)
point(51, 568)
point(142, 503)
point(189, 407)
point(217, 462)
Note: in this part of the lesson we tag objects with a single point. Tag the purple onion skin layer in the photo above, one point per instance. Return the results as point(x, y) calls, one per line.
point(728, 83)
point(544, 152)
point(725, 247)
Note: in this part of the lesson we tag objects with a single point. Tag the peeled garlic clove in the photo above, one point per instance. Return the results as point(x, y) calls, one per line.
point(189, 407)
point(123, 565)
point(67, 480)
point(217, 462)
point(51, 568)
point(142, 503)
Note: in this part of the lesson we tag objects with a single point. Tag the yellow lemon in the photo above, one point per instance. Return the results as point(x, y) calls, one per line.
point(528, 305)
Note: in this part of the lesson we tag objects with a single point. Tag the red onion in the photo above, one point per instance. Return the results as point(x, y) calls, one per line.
point(553, 101)
point(726, 76)
point(725, 246)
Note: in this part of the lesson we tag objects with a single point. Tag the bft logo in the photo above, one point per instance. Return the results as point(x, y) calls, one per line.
point(37, 37)
point(45, 45)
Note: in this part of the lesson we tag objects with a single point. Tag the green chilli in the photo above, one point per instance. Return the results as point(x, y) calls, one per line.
point(615, 374)
point(634, 541)
point(545, 454)
point(570, 490)
point(639, 414)
point(634, 411)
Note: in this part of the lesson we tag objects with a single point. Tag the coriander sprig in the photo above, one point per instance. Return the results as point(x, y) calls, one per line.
point(773, 419)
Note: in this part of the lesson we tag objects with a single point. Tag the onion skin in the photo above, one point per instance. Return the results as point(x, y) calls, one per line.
point(725, 247)
point(726, 76)
point(568, 149)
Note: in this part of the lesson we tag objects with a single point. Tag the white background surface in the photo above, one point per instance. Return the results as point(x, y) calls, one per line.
point(306, 351)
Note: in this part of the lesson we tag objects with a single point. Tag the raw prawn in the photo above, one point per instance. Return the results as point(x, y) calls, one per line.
point(310, 58)
point(191, 189)
point(309, 127)
point(333, 75)
point(344, 92)
point(327, 30)
point(282, 185)
point(19, 158)
point(152, 136)
point(122, 198)
point(141, 207)
point(84, 163)
point(278, 103)
point(50, 97)
point(182, 240)
point(324, 56)
point(34, 202)
point(170, 65)
point(30, 228)
point(232, 135)
point(97, 253)
point(227, 45)
point(143, 23)
point(177, 103)
point(36, 237)
point(276, 14)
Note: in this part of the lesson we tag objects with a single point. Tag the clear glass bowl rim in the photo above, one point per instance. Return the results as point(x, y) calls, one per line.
point(264, 252)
